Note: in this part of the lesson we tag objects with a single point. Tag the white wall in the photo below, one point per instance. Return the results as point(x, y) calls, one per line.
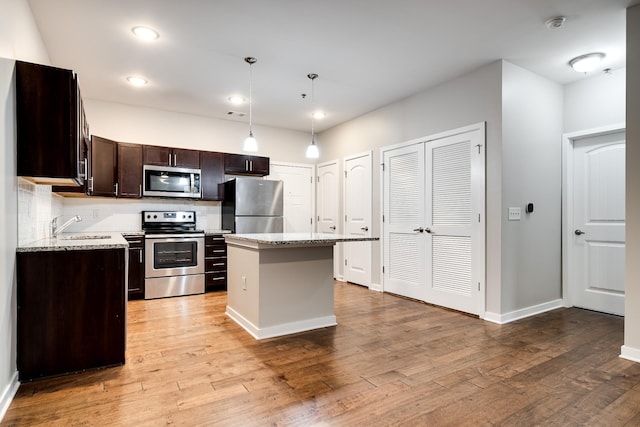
point(531, 173)
point(469, 99)
point(19, 39)
point(631, 348)
point(149, 126)
point(595, 101)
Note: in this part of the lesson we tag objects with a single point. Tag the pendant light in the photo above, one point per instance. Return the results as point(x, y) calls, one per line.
point(312, 149)
point(250, 143)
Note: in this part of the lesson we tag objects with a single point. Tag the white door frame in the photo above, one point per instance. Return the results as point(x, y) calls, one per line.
point(567, 202)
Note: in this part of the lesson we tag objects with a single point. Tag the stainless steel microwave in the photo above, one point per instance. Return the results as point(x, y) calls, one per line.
point(166, 181)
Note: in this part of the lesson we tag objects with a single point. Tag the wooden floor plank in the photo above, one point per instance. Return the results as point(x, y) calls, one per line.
point(390, 361)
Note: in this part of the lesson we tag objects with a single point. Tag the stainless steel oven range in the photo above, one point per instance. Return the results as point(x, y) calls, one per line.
point(174, 254)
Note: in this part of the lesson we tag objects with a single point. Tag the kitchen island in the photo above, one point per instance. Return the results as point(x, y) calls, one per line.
point(281, 283)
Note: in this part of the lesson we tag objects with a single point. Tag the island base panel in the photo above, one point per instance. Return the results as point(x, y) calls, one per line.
point(279, 291)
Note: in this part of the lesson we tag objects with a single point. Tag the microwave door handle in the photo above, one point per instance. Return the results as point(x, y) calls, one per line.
point(193, 183)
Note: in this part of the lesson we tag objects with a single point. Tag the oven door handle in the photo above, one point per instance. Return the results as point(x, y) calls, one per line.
point(173, 236)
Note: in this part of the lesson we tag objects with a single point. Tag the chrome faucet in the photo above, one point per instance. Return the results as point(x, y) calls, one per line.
point(55, 230)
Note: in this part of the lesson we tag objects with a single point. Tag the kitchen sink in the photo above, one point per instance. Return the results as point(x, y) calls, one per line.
point(85, 237)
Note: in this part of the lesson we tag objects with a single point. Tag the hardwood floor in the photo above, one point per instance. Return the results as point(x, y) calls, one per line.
point(390, 361)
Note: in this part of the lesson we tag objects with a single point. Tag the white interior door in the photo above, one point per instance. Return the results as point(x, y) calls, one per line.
point(404, 217)
point(327, 209)
point(298, 195)
point(327, 191)
point(454, 226)
point(357, 208)
point(598, 223)
point(433, 224)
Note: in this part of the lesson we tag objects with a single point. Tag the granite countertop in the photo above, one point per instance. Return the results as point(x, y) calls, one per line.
point(76, 242)
point(217, 231)
point(296, 239)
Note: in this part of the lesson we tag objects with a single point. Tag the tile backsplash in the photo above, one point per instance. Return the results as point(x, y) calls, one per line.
point(37, 206)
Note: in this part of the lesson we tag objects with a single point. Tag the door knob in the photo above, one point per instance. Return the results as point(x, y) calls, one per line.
point(333, 227)
point(365, 228)
point(579, 232)
point(428, 230)
point(419, 230)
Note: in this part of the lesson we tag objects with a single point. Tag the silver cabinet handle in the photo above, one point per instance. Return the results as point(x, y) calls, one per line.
point(140, 256)
point(333, 227)
point(116, 188)
point(365, 228)
point(91, 185)
point(140, 191)
point(579, 232)
point(246, 165)
point(175, 161)
point(169, 159)
point(419, 230)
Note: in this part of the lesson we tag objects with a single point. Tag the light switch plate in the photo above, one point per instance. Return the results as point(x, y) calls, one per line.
point(514, 214)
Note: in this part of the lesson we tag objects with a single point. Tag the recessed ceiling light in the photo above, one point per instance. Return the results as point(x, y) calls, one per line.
point(319, 115)
point(145, 33)
point(236, 99)
point(588, 62)
point(137, 81)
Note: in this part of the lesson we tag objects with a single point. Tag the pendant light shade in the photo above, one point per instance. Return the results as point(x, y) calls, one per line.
point(312, 149)
point(250, 143)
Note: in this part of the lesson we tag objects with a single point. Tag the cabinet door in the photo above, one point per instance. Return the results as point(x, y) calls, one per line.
point(159, 156)
point(236, 163)
point(102, 181)
point(129, 170)
point(259, 165)
point(212, 166)
point(47, 123)
point(183, 158)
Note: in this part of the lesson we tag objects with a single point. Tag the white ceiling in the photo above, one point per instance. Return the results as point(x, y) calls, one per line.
point(368, 53)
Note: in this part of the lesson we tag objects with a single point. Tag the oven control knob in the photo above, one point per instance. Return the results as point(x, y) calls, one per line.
point(155, 216)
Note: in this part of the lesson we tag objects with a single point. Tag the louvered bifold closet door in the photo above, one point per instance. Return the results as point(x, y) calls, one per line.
point(404, 213)
point(451, 220)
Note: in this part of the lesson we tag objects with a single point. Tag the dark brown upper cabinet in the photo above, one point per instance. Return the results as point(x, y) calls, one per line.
point(102, 167)
point(51, 125)
point(167, 156)
point(129, 170)
point(212, 167)
point(242, 164)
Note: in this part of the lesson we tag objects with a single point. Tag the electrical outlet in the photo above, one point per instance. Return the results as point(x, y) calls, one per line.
point(514, 214)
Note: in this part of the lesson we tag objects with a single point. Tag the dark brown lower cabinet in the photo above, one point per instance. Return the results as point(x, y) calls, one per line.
point(71, 311)
point(215, 263)
point(136, 266)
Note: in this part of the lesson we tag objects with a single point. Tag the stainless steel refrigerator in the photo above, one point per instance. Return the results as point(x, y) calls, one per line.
point(252, 206)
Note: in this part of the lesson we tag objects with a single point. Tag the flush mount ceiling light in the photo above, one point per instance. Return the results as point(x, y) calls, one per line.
point(145, 33)
point(137, 81)
point(250, 143)
point(236, 99)
point(588, 62)
point(312, 149)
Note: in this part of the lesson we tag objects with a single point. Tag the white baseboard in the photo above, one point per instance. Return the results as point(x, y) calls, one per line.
point(523, 312)
point(8, 394)
point(630, 353)
point(282, 329)
point(376, 287)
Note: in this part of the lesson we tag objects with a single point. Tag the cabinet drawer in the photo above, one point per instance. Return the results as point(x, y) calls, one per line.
point(215, 251)
point(215, 280)
point(215, 265)
point(216, 239)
